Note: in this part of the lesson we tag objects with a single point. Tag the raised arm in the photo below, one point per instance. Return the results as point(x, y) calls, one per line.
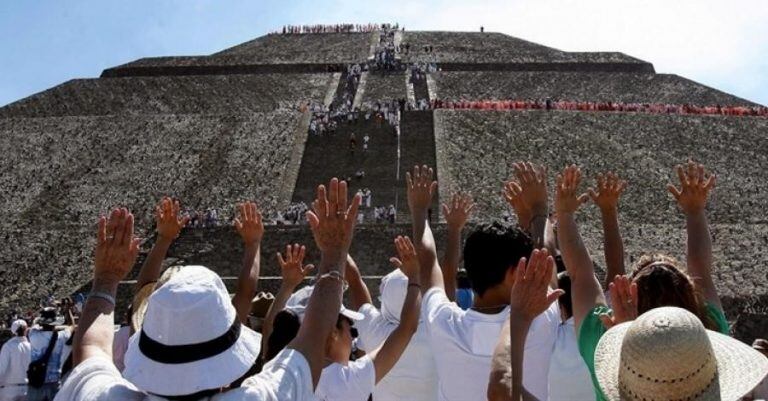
point(421, 188)
point(529, 298)
point(456, 215)
point(116, 252)
point(695, 186)
point(168, 225)
point(332, 222)
point(528, 196)
point(358, 291)
point(387, 356)
point(586, 291)
point(606, 197)
point(251, 229)
point(293, 272)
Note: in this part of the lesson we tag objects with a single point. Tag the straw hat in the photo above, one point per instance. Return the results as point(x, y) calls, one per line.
point(191, 339)
point(667, 354)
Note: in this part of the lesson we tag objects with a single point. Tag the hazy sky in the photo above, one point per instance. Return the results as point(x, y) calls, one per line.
point(723, 44)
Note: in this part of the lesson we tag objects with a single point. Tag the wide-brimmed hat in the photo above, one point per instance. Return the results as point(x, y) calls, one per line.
point(141, 297)
point(667, 354)
point(49, 317)
point(191, 339)
point(298, 301)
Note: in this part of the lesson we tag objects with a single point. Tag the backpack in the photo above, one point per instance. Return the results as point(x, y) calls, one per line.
point(38, 369)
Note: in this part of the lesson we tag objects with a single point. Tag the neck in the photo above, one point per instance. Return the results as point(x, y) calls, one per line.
point(490, 303)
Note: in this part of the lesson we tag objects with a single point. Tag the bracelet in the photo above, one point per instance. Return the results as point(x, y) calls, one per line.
point(103, 295)
point(335, 274)
point(417, 285)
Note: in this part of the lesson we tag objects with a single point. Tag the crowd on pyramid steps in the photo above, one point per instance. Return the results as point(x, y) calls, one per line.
point(540, 324)
point(384, 56)
point(548, 104)
point(326, 120)
point(335, 28)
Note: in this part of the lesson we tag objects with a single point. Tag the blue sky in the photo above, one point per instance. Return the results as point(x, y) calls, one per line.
point(47, 42)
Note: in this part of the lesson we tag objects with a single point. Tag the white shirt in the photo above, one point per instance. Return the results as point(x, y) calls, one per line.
point(463, 342)
point(285, 378)
point(353, 382)
point(569, 377)
point(414, 376)
point(39, 340)
point(14, 361)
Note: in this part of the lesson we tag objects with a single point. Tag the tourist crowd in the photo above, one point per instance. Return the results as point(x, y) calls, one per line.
point(548, 104)
point(539, 323)
point(335, 28)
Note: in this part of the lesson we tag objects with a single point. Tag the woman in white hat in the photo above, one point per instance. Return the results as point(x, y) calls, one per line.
point(192, 344)
point(657, 282)
point(14, 361)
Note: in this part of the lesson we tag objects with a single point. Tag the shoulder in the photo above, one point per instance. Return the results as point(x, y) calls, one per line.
point(97, 379)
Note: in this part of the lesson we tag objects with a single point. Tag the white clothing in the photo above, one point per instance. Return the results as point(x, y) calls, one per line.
point(39, 340)
point(285, 378)
point(120, 346)
point(414, 376)
point(14, 393)
point(14, 361)
point(353, 382)
point(569, 377)
point(463, 342)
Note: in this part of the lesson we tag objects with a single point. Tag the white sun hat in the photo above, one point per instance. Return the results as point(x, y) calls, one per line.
point(393, 290)
point(667, 354)
point(298, 301)
point(17, 324)
point(191, 339)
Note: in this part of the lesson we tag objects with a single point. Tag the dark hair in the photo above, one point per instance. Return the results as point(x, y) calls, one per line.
point(284, 329)
point(661, 282)
point(462, 281)
point(565, 302)
point(20, 331)
point(491, 250)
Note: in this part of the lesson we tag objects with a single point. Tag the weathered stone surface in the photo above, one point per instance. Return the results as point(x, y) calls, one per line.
point(580, 86)
point(209, 94)
point(384, 87)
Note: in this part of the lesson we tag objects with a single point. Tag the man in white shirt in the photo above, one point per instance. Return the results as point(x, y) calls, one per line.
point(463, 341)
point(192, 345)
point(343, 380)
point(14, 361)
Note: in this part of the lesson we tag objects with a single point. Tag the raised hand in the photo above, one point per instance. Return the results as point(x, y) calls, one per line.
point(332, 218)
point(409, 262)
point(249, 223)
point(291, 265)
point(609, 190)
point(532, 181)
point(567, 199)
point(623, 302)
point(695, 185)
point(167, 219)
point(530, 293)
point(421, 188)
point(457, 213)
point(513, 194)
point(116, 247)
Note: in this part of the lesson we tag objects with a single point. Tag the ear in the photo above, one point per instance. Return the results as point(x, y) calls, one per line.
point(509, 276)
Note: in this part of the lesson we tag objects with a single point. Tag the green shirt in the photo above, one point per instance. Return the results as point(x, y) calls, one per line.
point(592, 329)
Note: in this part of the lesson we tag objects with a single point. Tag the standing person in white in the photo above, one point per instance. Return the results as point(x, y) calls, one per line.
point(39, 338)
point(343, 380)
point(14, 360)
point(463, 342)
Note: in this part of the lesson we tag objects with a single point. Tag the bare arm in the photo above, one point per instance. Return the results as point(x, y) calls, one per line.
point(421, 188)
point(500, 381)
point(169, 226)
point(358, 291)
point(456, 215)
point(692, 198)
point(332, 224)
point(586, 291)
point(609, 190)
point(116, 252)
point(293, 273)
point(385, 358)
point(251, 229)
